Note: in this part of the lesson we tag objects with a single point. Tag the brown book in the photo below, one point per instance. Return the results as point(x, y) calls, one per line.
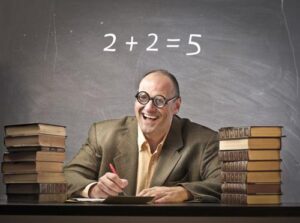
point(250, 199)
point(251, 177)
point(250, 143)
point(31, 167)
point(37, 198)
point(35, 148)
point(35, 140)
point(251, 166)
point(251, 188)
point(35, 188)
point(42, 177)
point(249, 131)
point(34, 129)
point(34, 156)
point(240, 155)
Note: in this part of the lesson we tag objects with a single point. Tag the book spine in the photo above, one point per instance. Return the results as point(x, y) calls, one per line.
point(234, 166)
point(40, 198)
point(52, 188)
point(35, 148)
point(239, 155)
point(234, 188)
point(233, 198)
point(233, 177)
point(234, 132)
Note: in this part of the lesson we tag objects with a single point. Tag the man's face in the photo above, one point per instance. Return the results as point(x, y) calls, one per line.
point(155, 122)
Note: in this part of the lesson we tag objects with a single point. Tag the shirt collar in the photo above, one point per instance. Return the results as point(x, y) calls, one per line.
point(142, 140)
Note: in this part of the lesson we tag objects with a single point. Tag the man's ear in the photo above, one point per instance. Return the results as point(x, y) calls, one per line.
point(177, 105)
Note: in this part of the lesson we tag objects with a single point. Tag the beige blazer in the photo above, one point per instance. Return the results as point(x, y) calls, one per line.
point(189, 158)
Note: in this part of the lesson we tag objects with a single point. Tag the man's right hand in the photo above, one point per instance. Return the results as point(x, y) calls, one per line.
point(108, 185)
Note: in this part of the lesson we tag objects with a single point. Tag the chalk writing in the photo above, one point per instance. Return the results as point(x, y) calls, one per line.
point(193, 42)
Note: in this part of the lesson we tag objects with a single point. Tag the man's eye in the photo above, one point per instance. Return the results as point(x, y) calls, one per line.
point(143, 97)
point(159, 101)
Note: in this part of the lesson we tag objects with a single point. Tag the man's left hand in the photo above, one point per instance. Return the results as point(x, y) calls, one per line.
point(176, 194)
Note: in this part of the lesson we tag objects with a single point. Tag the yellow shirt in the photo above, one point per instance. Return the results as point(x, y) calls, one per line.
point(147, 161)
point(146, 164)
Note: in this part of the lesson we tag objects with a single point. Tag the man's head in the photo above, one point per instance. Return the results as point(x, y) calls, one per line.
point(154, 116)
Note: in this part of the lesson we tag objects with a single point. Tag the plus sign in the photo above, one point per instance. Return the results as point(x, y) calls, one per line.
point(131, 43)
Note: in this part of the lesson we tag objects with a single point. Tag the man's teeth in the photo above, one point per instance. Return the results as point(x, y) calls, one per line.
point(149, 116)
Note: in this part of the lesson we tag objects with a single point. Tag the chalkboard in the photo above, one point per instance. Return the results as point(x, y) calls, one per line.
point(73, 62)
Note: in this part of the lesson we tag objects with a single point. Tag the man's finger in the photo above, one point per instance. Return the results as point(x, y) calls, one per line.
point(121, 183)
point(107, 184)
point(107, 190)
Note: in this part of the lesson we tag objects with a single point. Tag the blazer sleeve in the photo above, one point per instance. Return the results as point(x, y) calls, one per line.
point(83, 169)
point(208, 188)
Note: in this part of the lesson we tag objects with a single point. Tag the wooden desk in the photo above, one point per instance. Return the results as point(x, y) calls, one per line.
point(105, 213)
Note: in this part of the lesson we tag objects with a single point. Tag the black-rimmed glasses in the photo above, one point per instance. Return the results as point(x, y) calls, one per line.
point(159, 101)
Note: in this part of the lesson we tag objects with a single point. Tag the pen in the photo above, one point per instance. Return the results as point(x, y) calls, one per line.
point(113, 170)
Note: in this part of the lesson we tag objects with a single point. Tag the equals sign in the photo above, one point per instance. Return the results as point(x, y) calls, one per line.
point(173, 41)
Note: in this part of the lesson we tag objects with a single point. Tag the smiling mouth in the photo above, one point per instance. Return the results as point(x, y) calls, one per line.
point(149, 117)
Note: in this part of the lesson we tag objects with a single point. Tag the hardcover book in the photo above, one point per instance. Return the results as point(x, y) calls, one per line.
point(31, 167)
point(36, 188)
point(250, 131)
point(35, 148)
point(251, 143)
point(250, 199)
point(37, 198)
point(34, 129)
point(34, 156)
point(236, 166)
point(241, 155)
point(42, 177)
point(35, 140)
point(251, 188)
point(251, 177)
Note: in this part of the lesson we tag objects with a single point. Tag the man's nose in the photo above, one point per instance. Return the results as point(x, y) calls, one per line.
point(150, 106)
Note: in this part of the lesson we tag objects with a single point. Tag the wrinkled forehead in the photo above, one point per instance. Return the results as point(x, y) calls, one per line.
point(157, 84)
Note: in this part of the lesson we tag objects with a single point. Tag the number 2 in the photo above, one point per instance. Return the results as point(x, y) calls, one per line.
point(108, 48)
point(149, 48)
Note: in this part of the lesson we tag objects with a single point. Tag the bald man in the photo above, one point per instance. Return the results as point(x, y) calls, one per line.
point(156, 153)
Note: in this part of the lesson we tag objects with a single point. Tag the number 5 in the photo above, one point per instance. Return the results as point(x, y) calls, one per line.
point(195, 44)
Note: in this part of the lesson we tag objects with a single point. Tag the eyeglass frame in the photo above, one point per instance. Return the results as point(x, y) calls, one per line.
point(152, 99)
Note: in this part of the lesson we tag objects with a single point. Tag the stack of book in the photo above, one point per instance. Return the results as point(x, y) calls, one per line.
point(32, 166)
point(250, 164)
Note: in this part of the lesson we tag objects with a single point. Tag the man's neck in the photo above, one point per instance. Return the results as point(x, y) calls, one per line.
point(154, 141)
point(153, 144)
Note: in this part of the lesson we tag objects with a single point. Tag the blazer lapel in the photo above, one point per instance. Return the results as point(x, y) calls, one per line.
point(169, 154)
point(126, 162)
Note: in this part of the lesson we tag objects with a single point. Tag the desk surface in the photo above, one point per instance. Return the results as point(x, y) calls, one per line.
point(186, 209)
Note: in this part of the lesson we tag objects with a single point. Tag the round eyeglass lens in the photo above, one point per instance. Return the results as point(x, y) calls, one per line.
point(159, 101)
point(143, 97)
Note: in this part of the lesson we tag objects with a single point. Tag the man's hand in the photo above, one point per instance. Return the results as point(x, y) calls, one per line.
point(166, 194)
point(108, 185)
